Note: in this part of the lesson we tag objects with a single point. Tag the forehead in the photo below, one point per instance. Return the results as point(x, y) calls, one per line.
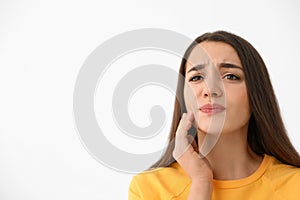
point(209, 52)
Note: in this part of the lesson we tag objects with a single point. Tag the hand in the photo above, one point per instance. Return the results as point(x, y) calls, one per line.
point(186, 153)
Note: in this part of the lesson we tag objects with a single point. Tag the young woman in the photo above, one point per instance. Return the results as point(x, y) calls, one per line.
point(241, 149)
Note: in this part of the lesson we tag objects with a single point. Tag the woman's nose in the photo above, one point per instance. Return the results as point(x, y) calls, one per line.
point(213, 87)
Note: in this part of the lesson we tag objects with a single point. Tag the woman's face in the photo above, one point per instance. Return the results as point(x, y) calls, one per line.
point(215, 89)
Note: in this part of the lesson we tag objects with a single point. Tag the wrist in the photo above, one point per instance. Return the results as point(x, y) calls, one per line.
point(203, 183)
point(202, 179)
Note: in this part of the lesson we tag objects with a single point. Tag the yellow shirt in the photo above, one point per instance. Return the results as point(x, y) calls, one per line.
point(272, 181)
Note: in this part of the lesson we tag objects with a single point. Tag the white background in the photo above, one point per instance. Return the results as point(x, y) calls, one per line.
point(42, 47)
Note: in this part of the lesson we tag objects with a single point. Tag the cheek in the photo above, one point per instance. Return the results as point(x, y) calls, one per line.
point(190, 96)
point(238, 108)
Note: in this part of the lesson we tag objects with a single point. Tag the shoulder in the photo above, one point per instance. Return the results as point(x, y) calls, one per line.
point(284, 178)
point(278, 170)
point(160, 183)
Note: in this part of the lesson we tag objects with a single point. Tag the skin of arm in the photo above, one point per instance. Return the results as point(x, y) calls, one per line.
point(201, 190)
point(187, 155)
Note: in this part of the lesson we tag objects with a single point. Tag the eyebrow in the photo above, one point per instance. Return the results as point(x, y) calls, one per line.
point(197, 68)
point(222, 65)
point(229, 65)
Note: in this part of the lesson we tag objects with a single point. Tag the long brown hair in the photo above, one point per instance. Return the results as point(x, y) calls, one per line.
point(266, 131)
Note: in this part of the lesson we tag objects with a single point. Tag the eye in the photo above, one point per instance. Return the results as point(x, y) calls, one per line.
point(196, 78)
point(231, 77)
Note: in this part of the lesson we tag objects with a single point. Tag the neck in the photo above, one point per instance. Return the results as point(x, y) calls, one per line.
point(231, 158)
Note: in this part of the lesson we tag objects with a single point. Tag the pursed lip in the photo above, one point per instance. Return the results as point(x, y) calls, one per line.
point(212, 108)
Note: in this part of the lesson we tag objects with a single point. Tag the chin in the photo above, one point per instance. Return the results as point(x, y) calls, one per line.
point(210, 130)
